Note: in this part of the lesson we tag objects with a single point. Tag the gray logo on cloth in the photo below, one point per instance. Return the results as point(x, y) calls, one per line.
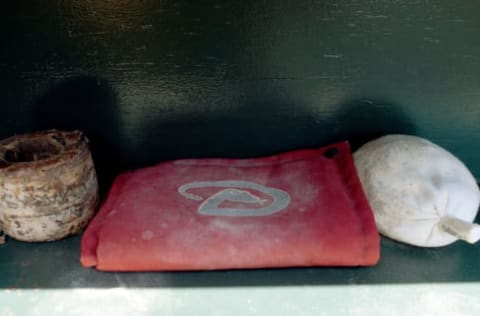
point(233, 193)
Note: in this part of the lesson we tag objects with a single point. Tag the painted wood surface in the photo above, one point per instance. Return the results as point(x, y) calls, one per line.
point(154, 80)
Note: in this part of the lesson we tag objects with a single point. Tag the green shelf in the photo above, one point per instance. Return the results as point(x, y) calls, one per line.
point(47, 277)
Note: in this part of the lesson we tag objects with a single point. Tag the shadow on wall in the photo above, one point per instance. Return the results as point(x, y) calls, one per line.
point(362, 120)
point(88, 104)
point(252, 130)
point(264, 128)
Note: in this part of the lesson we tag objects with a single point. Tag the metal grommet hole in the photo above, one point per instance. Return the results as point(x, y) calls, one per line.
point(331, 152)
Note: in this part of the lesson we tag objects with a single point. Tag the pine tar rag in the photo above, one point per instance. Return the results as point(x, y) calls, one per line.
point(300, 208)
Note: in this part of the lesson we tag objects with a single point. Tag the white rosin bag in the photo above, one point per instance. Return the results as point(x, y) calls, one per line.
point(420, 193)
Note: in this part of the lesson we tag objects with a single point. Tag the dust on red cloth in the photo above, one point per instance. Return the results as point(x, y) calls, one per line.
point(300, 208)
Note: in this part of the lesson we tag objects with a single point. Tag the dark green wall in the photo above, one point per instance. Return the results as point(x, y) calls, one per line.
point(155, 80)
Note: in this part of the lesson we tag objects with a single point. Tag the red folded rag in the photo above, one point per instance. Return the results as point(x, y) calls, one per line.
point(300, 208)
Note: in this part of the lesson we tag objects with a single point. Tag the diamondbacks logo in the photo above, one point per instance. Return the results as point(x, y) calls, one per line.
point(232, 192)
